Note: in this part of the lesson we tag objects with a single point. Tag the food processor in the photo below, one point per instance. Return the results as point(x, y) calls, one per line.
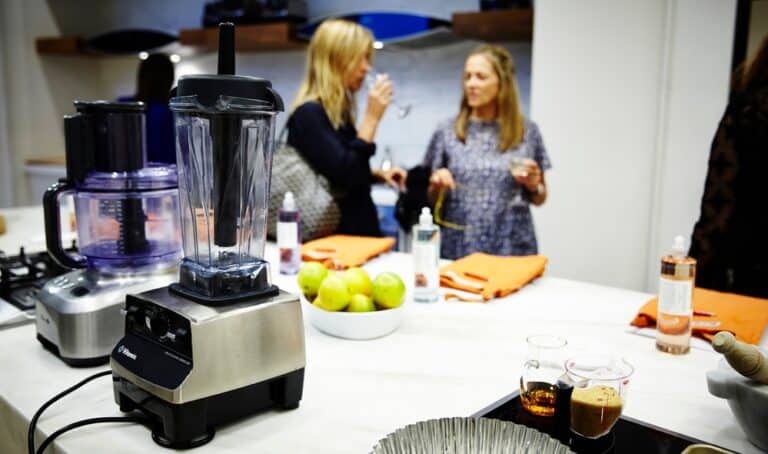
point(223, 342)
point(128, 231)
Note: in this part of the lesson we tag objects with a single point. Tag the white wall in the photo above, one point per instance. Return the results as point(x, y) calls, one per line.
point(614, 95)
point(693, 100)
point(38, 91)
point(429, 79)
point(6, 171)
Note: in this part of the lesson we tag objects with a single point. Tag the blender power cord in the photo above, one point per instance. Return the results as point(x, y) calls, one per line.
point(52, 437)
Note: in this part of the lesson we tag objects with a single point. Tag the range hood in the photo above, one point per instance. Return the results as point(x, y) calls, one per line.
point(396, 29)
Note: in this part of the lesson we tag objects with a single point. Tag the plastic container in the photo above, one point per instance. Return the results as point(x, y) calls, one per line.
point(426, 258)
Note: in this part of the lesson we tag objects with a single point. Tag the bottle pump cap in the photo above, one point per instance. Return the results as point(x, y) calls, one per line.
point(678, 247)
point(289, 203)
point(425, 218)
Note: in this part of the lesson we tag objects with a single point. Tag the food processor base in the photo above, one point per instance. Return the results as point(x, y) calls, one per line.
point(72, 362)
point(192, 424)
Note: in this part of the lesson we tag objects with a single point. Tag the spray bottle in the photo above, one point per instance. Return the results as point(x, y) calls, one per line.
point(426, 256)
point(289, 236)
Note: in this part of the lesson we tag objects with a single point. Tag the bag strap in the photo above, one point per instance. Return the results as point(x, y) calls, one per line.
point(282, 138)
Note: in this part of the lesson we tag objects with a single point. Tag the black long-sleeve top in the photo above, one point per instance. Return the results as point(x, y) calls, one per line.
point(342, 157)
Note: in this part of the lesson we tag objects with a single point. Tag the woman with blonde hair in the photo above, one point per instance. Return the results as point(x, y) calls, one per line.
point(487, 164)
point(322, 124)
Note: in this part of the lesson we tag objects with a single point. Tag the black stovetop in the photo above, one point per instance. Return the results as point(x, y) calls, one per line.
point(24, 274)
point(628, 436)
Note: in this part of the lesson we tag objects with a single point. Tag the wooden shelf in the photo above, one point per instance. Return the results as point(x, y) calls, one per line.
point(496, 25)
point(250, 38)
point(63, 45)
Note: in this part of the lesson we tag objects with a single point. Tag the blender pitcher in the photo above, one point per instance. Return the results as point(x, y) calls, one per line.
point(224, 144)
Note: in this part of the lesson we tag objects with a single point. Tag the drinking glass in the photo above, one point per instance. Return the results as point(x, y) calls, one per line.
point(403, 109)
point(518, 165)
point(599, 392)
point(541, 370)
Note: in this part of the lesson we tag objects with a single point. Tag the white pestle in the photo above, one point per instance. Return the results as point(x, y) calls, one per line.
point(745, 358)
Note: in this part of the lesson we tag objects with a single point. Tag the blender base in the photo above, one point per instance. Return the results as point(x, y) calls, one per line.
point(192, 424)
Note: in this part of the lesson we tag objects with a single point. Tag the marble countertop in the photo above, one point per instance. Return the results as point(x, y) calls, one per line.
point(447, 359)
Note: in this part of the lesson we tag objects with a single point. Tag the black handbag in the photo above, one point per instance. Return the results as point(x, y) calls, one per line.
point(315, 197)
point(414, 198)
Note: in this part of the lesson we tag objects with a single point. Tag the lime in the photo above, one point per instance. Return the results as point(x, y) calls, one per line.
point(310, 277)
point(388, 290)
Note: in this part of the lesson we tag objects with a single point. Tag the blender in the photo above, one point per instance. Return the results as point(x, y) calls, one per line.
point(128, 231)
point(223, 342)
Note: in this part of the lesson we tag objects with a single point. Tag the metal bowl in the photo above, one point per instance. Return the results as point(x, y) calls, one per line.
point(468, 436)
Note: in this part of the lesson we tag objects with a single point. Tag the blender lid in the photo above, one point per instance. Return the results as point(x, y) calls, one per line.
point(209, 88)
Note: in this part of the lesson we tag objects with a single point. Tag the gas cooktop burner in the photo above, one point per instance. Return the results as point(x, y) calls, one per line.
point(23, 275)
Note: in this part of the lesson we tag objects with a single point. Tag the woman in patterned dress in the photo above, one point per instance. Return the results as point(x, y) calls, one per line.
point(481, 205)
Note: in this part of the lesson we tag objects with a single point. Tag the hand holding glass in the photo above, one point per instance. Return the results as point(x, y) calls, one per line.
point(519, 168)
point(373, 76)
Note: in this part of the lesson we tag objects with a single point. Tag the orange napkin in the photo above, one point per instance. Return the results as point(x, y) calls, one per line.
point(744, 316)
point(345, 251)
point(492, 276)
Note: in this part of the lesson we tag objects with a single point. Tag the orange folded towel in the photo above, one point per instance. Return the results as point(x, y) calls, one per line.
point(345, 251)
point(744, 316)
point(492, 276)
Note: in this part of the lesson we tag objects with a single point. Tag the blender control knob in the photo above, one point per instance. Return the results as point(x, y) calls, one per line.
point(159, 325)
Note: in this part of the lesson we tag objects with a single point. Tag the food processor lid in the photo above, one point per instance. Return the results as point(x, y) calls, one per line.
point(150, 178)
point(104, 136)
point(211, 88)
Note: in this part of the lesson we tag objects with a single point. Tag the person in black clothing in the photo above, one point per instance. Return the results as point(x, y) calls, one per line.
point(322, 125)
point(730, 239)
point(153, 87)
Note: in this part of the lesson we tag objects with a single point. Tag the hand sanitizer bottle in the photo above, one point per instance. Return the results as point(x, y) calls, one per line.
point(289, 236)
point(673, 323)
point(426, 256)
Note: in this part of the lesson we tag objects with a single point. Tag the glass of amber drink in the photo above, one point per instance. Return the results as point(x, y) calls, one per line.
point(544, 364)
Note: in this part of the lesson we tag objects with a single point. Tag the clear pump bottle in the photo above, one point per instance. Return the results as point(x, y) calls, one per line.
point(289, 236)
point(675, 316)
point(426, 257)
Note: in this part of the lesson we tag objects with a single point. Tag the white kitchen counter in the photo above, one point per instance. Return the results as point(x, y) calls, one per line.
point(447, 359)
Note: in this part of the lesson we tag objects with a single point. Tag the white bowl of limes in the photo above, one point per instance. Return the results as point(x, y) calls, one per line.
point(348, 304)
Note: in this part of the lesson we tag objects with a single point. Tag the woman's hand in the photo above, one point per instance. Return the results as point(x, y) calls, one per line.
point(530, 177)
point(441, 179)
point(379, 97)
point(394, 177)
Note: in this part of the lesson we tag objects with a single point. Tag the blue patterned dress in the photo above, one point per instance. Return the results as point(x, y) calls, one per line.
point(485, 198)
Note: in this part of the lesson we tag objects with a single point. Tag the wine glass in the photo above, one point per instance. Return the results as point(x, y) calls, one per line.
point(403, 109)
point(518, 165)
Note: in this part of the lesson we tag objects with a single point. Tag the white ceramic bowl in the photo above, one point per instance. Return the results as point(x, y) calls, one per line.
point(354, 325)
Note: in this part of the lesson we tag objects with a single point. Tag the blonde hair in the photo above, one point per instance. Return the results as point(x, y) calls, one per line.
point(335, 50)
point(509, 116)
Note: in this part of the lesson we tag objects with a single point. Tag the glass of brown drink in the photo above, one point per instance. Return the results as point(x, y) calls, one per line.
point(599, 392)
point(544, 364)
